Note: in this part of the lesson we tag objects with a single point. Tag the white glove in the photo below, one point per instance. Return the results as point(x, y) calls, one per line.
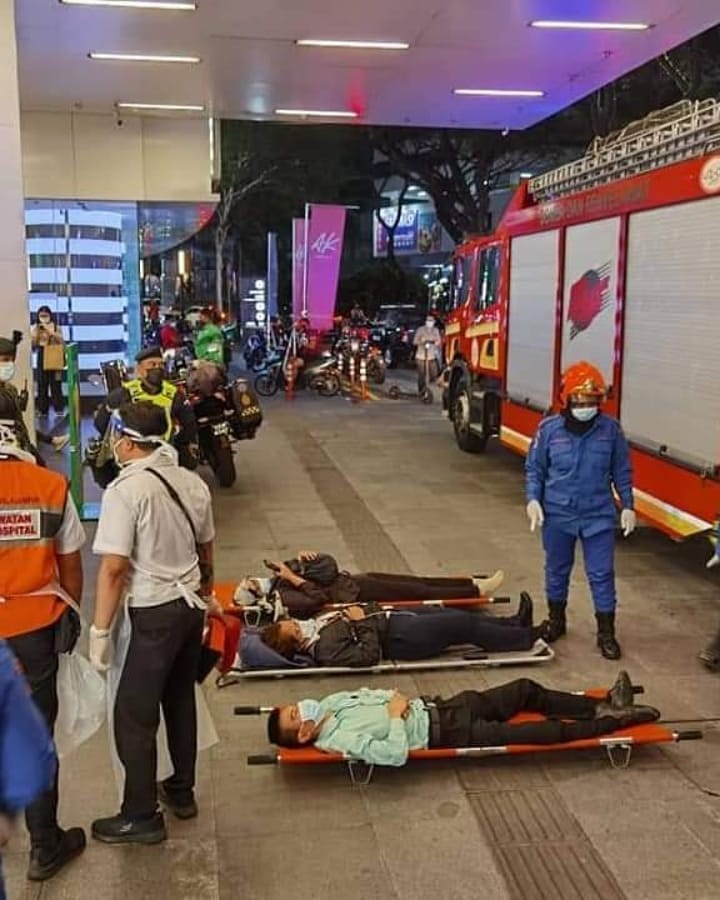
point(535, 513)
point(628, 521)
point(101, 648)
point(714, 560)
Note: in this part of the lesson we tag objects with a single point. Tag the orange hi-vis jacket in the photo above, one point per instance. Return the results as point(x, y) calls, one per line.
point(32, 505)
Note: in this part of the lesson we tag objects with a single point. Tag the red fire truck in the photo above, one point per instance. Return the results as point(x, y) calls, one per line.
point(614, 258)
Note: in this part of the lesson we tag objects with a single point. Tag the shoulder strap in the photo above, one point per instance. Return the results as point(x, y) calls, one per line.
point(176, 498)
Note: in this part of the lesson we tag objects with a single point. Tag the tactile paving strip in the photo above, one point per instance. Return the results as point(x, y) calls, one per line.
point(541, 849)
point(371, 546)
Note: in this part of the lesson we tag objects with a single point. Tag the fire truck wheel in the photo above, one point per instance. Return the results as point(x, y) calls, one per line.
point(467, 439)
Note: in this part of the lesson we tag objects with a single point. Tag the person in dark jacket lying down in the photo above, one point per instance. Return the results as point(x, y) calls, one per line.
point(303, 598)
point(381, 727)
point(357, 637)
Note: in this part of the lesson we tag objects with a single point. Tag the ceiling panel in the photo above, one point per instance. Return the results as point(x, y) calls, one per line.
point(250, 64)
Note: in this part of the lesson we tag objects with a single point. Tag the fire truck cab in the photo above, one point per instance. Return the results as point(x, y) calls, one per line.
point(613, 259)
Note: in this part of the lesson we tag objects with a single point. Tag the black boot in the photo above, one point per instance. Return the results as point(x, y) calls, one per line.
point(557, 625)
point(710, 656)
point(606, 640)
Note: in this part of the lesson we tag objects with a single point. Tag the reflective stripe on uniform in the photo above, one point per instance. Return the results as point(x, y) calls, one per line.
point(164, 399)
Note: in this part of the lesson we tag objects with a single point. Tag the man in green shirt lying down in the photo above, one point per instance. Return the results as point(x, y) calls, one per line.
point(381, 727)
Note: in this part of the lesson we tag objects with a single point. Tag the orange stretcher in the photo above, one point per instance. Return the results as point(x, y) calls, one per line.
point(226, 590)
point(617, 744)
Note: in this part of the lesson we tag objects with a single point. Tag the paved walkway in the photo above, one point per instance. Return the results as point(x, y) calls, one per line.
point(383, 486)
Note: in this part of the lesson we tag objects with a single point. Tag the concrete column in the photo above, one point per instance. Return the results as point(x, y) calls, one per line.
point(14, 308)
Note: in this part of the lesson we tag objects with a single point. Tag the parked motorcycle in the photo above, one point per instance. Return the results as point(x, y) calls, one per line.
point(320, 375)
point(224, 413)
point(255, 351)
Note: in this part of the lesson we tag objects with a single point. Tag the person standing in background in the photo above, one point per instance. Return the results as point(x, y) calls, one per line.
point(46, 333)
point(576, 460)
point(428, 352)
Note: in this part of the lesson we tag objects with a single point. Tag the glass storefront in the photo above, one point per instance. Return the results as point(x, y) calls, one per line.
point(83, 262)
point(91, 262)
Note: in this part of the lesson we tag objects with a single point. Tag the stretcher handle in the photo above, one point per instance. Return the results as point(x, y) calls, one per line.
point(690, 735)
point(638, 689)
point(495, 600)
point(262, 759)
point(252, 710)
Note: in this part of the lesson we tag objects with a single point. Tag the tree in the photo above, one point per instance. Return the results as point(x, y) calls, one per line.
point(459, 168)
point(246, 176)
point(390, 226)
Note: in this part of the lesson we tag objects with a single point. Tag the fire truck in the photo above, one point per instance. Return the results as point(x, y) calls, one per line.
point(614, 259)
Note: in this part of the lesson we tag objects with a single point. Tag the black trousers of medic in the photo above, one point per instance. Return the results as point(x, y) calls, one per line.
point(480, 718)
point(159, 671)
point(36, 654)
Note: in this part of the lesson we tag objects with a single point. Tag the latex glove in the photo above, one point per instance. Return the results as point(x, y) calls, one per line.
point(713, 561)
point(535, 513)
point(101, 648)
point(628, 521)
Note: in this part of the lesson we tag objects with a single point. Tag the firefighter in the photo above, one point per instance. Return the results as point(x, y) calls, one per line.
point(40, 541)
point(150, 384)
point(575, 461)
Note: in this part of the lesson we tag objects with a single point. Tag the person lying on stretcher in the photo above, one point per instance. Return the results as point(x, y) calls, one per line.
point(360, 637)
point(381, 727)
point(302, 596)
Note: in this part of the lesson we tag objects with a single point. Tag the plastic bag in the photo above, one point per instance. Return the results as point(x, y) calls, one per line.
point(81, 698)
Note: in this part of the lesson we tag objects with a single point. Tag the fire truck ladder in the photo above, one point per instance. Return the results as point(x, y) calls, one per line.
point(682, 131)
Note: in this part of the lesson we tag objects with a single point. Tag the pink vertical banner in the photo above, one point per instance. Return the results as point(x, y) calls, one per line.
point(325, 245)
point(298, 268)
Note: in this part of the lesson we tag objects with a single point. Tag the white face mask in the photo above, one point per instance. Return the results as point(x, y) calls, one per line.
point(309, 711)
point(120, 463)
point(7, 371)
point(584, 413)
point(429, 323)
point(44, 320)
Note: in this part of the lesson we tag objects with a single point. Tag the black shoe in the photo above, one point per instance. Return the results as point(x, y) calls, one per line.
point(557, 625)
point(525, 611)
point(629, 715)
point(46, 863)
point(540, 632)
point(180, 808)
point(606, 640)
point(621, 695)
point(119, 830)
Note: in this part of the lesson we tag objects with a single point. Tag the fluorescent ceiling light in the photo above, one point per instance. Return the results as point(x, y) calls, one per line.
point(144, 57)
point(318, 113)
point(526, 174)
point(493, 92)
point(134, 4)
point(174, 107)
point(354, 45)
point(591, 26)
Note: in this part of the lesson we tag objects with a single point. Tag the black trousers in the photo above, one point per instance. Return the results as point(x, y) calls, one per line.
point(160, 671)
point(480, 718)
point(49, 382)
point(428, 632)
point(36, 653)
point(378, 586)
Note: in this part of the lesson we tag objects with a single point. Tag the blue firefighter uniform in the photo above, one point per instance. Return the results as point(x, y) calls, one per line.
point(27, 755)
point(571, 473)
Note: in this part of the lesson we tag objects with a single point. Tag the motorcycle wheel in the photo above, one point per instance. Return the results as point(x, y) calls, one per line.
point(267, 384)
point(224, 464)
point(329, 385)
point(376, 372)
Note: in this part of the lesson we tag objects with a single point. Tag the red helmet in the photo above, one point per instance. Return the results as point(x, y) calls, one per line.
point(582, 381)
